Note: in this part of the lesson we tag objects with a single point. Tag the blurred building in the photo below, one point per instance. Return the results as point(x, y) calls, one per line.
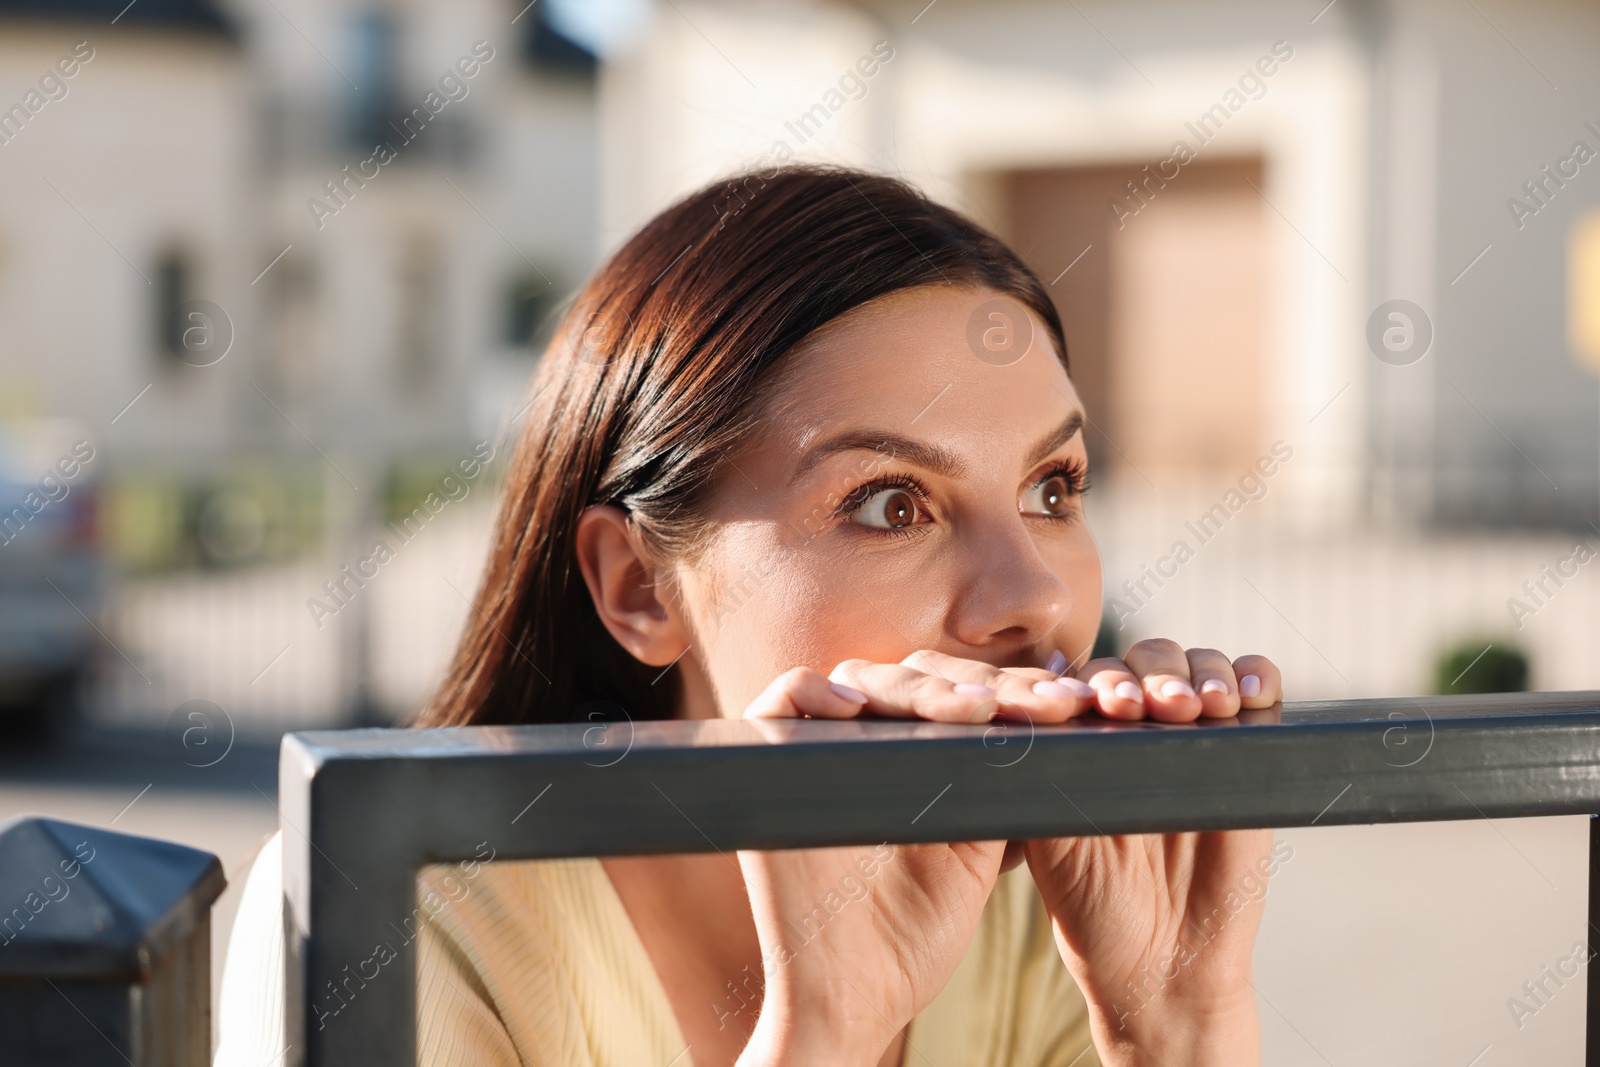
point(211, 261)
point(1245, 183)
point(286, 261)
point(1227, 199)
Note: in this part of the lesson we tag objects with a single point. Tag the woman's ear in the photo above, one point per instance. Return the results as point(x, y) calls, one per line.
point(624, 584)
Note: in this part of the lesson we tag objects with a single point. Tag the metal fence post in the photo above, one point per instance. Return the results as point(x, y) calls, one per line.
point(1591, 1039)
point(105, 947)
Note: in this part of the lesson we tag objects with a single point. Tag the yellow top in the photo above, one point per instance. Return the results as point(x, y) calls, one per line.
point(537, 964)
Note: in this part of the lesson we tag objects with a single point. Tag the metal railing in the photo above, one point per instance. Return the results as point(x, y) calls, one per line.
point(363, 810)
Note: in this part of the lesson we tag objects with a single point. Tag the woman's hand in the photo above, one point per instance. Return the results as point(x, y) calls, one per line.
point(1162, 680)
point(1157, 678)
point(1126, 910)
point(856, 941)
point(1158, 929)
point(927, 685)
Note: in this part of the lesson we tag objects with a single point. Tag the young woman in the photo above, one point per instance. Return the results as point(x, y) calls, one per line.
point(807, 446)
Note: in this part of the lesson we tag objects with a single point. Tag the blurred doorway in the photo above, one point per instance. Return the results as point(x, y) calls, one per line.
point(1164, 302)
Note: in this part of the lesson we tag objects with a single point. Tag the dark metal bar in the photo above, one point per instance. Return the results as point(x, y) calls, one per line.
point(1591, 1044)
point(363, 810)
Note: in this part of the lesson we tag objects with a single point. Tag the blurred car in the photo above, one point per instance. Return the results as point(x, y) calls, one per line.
point(52, 576)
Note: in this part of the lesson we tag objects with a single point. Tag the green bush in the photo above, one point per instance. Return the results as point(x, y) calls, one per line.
point(1481, 666)
point(245, 512)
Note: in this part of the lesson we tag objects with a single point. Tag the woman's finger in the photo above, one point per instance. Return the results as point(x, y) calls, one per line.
point(1163, 671)
point(1034, 694)
point(1117, 692)
point(902, 692)
point(1267, 687)
point(803, 691)
point(1211, 674)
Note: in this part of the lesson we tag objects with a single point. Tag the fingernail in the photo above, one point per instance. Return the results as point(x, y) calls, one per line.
point(968, 689)
point(1249, 686)
point(1213, 685)
point(854, 696)
point(1129, 691)
point(1079, 687)
point(1057, 691)
point(1176, 688)
point(1057, 662)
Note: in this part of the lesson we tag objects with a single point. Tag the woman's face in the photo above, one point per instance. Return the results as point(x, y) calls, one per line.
point(905, 493)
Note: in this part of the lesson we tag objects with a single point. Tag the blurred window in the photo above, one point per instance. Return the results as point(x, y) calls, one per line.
point(1583, 290)
point(555, 45)
point(173, 284)
point(374, 39)
point(601, 28)
point(530, 304)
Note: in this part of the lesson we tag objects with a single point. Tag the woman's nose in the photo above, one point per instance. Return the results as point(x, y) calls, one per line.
point(1006, 594)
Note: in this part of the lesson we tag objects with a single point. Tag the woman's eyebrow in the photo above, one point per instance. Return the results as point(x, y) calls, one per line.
point(931, 457)
point(1056, 438)
point(936, 458)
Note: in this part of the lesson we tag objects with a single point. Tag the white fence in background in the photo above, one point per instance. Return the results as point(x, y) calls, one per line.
point(1352, 612)
point(248, 642)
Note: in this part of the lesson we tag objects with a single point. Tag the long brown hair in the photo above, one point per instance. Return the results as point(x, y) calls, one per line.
point(651, 381)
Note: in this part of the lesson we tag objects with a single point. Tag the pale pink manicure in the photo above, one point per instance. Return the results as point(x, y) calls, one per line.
point(1176, 688)
point(1130, 691)
point(854, 696)
point(1056, 690)
point(1214, 685)
point(1079, 687)
point(1057, 662)
point(968, 689)
point(1249, 686)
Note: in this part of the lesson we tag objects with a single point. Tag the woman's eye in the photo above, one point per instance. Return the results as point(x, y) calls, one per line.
point(887, 509)
point(1053, 496)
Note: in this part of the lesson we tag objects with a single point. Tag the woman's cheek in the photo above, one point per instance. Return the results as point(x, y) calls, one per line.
point(756, 622)
point(1078, 566)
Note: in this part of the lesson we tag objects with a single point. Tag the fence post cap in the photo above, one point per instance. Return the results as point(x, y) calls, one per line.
point(92, 905)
